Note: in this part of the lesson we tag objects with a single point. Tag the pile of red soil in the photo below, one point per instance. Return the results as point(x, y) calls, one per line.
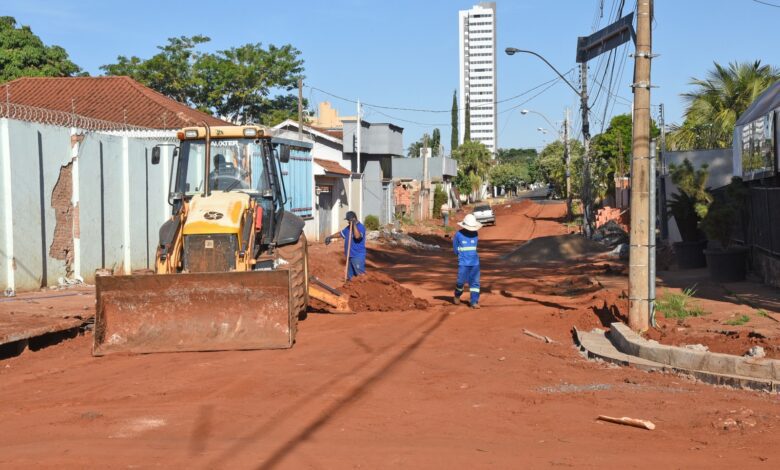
point(377, 292)
point(555, 248)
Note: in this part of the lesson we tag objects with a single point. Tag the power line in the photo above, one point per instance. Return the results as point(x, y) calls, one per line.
point(421, 110)
point(767, 3)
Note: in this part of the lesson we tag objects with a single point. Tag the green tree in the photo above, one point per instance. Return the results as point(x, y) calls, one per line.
point(474, 160)
point(416, 147)
point(467, 123)
point(170, 71)
point(454, 121)
point(716, 103)
point(23, 54)
point(611, 153)
point(235, 83)
point(436, 142)
point(509, 175)
point(516, 154)
point(552, 166)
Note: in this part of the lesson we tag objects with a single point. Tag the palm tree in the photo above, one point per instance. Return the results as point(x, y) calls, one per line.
point(717, 102)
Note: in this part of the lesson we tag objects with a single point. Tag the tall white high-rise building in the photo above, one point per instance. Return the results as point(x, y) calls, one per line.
point(477, 28)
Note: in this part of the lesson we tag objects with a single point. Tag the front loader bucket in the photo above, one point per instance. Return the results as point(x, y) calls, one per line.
point(193, 312)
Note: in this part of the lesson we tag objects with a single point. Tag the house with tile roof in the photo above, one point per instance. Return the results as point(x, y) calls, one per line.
point(333, 181)
point(118, 99)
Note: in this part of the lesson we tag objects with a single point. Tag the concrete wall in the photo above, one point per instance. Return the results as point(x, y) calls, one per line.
point(76, 202)
point(412, 168)
point(372, 190)
point(719, 161)
point(380, 138)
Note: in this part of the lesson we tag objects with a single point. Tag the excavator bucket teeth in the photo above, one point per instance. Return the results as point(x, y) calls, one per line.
point(193, 312)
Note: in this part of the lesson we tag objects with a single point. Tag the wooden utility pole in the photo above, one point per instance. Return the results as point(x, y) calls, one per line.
point(639, 254)
point(300, 109)
point(586, 209)
point(567, 156)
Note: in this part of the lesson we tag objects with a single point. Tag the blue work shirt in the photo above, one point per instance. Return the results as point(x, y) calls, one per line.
point(464, 243)
point(358, 249)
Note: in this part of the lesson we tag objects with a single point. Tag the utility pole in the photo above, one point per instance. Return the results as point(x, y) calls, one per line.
point(639, 255)
point(586, 192)
point(567, 156)
point(300, 109)
point(360, 173)
point(424, 186)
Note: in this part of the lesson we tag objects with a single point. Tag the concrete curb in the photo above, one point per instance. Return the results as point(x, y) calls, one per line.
point(596, 344)
point(688, 359)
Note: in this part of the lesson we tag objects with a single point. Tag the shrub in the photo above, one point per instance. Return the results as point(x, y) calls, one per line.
point(719, 222)
point(439, 198)
point(678, 305)
point(689, 206)
point(740, 320)
point(371, 222)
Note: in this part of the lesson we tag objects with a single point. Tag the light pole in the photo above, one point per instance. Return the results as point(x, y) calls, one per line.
point(566, 152)
point(582, 92)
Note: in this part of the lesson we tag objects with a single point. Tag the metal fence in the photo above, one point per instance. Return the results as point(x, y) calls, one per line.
point(60, 118)
point(761, 227)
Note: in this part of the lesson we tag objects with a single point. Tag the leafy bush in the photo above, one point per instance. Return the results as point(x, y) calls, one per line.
point(371, 222)
point(439, 198)
point(690, 205)
point(719, 222)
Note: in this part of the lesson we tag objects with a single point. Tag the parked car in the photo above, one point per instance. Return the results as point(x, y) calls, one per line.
point(484, 214)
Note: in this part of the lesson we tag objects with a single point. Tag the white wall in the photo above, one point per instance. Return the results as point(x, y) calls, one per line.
point(113, 228)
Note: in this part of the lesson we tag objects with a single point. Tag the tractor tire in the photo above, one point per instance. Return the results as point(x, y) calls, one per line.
point(297, 256)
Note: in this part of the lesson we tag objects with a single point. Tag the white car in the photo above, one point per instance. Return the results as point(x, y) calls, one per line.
point(484, 214)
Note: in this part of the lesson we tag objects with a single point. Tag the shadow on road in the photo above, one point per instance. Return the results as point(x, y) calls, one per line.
point(331, 411)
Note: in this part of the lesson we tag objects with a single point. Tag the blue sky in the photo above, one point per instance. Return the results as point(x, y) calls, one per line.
point(404, 53)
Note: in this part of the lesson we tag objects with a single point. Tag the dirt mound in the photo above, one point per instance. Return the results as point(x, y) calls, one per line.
point(377, 292)
point(327, 262)
point(554, 248)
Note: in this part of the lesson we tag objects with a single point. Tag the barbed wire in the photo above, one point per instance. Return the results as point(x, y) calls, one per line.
point(52, 117)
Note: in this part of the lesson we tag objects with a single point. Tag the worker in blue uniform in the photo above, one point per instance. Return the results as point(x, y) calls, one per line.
point(464, 243)
point(356, 252)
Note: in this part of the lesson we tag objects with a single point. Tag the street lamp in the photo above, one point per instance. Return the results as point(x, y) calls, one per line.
point(526, 111)
point(567, 154)
point(514, 50)
point(582, 93)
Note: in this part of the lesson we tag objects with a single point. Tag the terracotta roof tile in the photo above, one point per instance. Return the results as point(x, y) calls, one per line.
point(332, 167)
point(115, 98)
point(339, 134)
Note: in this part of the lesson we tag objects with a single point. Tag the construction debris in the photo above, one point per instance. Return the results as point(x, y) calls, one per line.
point(756, 352)
point(397, 238)
point(637, 423)
point(546, 339)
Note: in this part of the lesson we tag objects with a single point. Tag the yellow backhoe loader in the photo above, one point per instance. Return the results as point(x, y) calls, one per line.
point(231, 263)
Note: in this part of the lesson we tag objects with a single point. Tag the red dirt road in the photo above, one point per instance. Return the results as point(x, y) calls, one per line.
point(447, 387)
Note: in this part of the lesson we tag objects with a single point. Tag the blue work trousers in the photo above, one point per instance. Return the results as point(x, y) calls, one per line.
point(468, 275)
point(357, 265)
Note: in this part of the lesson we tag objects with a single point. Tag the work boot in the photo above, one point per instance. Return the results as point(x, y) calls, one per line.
point(475, 306)
point(456, 300)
